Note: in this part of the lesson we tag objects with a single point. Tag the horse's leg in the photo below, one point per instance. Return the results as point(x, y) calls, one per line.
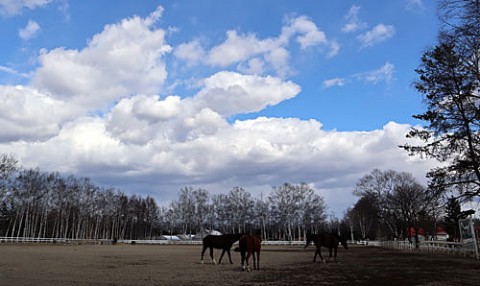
point(329, 253)
point(229, 256)
point(248, 256)
point(203, 251)
point(315, 256)
point(211, 255)
point(254, 260)
point(258, 260)
point(242, 254)
point(221, 256)
point(320, 253)
point(335, 254)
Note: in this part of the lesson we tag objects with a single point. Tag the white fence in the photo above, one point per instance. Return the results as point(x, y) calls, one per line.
point(8, 239)
point(126, 241)
point(199, 242)
point(454, 248)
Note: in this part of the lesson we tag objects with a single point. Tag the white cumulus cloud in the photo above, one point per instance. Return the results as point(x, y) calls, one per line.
point(30, 30)
point(307, 32)
point(384, 73)
point(141, 119)
point(353, 23)
point(12, 7)
point(231, 93)
point(125, 58)
point(267, 54)
point(192, 53)
point(333, 82)
point(27, 114)
point(378, 34)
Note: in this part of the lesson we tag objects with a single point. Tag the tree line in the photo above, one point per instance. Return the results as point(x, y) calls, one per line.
point(394, 204)
point(50, 205)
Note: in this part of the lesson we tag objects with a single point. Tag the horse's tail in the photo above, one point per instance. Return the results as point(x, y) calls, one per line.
point(237, 249)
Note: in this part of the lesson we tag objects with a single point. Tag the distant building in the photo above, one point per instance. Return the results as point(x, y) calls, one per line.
point(441, 234)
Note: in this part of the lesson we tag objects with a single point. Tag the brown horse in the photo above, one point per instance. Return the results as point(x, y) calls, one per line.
point(224, 241)
point(326, 240)
point(250, 245)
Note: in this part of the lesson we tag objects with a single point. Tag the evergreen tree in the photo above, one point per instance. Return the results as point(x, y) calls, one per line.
point(450, 220)
point(450, 82)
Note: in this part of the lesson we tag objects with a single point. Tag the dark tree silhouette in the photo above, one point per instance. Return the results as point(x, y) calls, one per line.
point(452, 210)
point(450, 82)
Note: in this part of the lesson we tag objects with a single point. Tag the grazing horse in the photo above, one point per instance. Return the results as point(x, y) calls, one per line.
point(224, 241)
point(250, 245)
point(326, 240)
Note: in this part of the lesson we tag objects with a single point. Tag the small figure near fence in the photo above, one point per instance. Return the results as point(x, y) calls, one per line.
point(327, 240)
point(224, 242)
point(250, 245)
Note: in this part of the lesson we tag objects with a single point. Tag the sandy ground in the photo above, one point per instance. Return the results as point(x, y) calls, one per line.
point(180, 265)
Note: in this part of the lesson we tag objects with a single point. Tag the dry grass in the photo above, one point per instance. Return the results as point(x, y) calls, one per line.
point(180, 265)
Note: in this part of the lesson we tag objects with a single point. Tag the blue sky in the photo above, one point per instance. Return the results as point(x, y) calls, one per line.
point(151, 96)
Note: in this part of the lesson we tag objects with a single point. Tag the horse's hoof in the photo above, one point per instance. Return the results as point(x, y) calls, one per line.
point(214, 262)
point(201, 262)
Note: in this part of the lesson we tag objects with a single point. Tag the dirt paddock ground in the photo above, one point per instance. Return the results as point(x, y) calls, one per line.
point(180, 265)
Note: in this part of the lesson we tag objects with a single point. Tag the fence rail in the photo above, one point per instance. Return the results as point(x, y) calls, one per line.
point(9, 239)
point(199, 242)
point(453, 248)
point(125, 241)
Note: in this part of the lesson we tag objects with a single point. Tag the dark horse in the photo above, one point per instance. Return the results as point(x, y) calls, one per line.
point(327, 240)
point(224, 241)
point(250, 245)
